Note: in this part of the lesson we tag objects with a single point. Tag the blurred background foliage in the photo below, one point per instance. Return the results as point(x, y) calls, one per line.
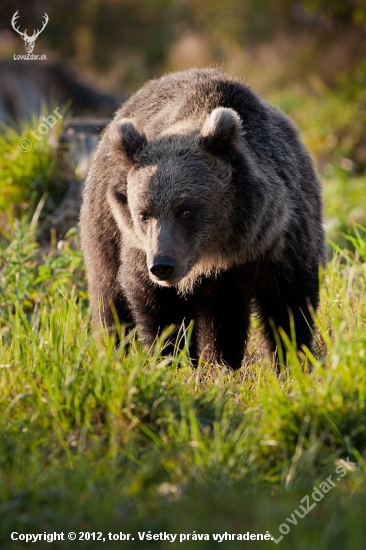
point(132, 40)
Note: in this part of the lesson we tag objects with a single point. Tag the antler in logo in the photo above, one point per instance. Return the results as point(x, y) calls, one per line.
point(29, 40)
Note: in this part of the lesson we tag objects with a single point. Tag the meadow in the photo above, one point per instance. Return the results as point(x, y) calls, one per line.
point(94, 439)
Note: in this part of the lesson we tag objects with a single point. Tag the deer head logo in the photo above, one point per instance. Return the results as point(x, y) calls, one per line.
point(29, 40)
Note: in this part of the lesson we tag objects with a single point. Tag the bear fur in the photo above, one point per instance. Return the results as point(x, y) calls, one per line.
point(202, 204)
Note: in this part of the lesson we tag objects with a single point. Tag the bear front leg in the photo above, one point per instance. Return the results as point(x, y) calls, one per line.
point(154, 308)
point(223, 318)
point(289, 298)
point(109, 305)
point(106, 296)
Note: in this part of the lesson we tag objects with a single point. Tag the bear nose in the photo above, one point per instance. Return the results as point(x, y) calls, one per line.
point(162, 267)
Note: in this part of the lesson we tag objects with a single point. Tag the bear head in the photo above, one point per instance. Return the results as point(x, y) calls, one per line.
point(173, 197)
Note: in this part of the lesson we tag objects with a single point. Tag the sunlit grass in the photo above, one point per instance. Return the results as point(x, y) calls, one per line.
point(94, 438)
point(30, 166)
point(125, 437)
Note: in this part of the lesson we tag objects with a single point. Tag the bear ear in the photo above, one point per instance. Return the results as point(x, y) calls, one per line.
point(221, 131)
point(127, 139)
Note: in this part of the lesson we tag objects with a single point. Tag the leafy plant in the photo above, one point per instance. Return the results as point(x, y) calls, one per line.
point(28, 279)
point(30, 168)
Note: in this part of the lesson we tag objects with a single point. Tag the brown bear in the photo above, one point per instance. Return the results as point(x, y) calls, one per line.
point(202, 204)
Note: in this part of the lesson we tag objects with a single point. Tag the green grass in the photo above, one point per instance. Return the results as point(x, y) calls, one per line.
point(94, 439)
point(31, 167)
point(97, 439)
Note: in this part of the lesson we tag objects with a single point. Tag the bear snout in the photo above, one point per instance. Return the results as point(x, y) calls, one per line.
point(162, 267)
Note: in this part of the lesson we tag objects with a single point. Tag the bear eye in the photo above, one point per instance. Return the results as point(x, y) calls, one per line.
point(184, 212)
point(144, 216)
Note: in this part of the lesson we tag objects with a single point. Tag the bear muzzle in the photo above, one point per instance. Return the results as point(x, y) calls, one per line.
point(162, 267)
